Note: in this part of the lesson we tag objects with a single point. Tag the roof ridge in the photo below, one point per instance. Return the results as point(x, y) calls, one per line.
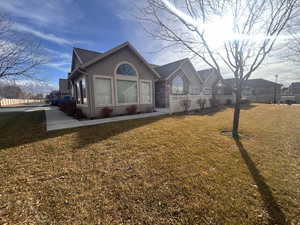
point(87, 50)
point(173, 62)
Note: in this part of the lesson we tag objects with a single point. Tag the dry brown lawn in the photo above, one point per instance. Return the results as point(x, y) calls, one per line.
point(166, 170)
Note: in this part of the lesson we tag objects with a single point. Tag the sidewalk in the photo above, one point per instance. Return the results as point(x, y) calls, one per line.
point(57, 120)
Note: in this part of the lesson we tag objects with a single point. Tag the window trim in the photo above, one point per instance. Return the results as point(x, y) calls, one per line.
point(126, 62)
point(183, 92)
point(126, 78)
point(137, 92)
point(151, 91)
point(95, 76)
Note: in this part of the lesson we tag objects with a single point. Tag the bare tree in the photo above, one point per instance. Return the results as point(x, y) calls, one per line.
point(19, 56)
point(245, 34)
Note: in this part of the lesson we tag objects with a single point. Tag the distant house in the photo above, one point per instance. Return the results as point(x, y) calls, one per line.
point(121, 77)
point(64, 87)
point(258, 90)
point(295, 91)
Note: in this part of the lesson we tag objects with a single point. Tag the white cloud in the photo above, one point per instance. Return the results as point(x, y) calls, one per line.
point(46, 36)
point(43, 13)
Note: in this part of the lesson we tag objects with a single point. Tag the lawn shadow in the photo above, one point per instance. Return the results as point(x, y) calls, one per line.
point(97, 133)
point(19, 128)
point(274, 210)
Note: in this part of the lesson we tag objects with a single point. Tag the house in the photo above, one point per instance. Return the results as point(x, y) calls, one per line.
point(121, 77)
point(295, 91)
point(258, 90)
point(64, 87)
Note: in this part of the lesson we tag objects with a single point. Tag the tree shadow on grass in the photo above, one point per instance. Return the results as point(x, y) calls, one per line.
point(274, 210)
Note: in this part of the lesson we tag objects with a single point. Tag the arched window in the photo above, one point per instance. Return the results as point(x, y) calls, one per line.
point(126, 69)
point(177, 85)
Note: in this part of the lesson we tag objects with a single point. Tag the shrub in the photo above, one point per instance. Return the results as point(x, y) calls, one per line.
point(78, 114)
point(201, 103)
point(228, 102)
point(131, 109)
point(186, 104)
point(68, 107)
point(106, 112)
point(214, 102)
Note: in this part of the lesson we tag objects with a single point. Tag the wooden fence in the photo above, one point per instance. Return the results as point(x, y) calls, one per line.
point(11, 102)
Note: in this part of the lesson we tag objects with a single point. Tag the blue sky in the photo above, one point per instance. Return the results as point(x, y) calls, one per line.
point(60, 25)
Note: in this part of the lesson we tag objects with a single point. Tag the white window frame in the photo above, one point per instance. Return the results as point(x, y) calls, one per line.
point(95, 76)
point(181, 77)
point(126, 78)
point(151, 91)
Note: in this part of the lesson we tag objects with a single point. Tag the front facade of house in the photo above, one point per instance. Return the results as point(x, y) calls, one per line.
point(121, 77)
point(258, 90)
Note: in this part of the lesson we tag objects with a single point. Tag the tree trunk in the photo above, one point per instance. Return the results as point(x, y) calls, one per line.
point(236, 116)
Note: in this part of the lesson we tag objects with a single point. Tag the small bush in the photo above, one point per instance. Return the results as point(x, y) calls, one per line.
point(131, 109)
point(214, 102)
point(78, 114)
point(186, 104)
point(201, 103)
point(228, 102)
point(68, 107)
point(106, 112)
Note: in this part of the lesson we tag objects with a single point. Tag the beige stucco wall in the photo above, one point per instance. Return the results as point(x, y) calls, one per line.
point(107, 67)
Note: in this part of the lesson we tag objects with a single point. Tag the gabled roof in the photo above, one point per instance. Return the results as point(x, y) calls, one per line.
point(85, 55)
point(101, 56)
point(254, 83)
point(166, 70)
point(204, 74)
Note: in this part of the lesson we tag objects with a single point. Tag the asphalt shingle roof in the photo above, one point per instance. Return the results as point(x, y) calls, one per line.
point(165, 70)
point(86, 55)
point(255, 83)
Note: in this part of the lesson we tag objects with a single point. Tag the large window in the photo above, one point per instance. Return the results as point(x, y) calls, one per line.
point(126, 69)
point(177, 85)
point(146, 92)
point(103, 91)
point(127, 92)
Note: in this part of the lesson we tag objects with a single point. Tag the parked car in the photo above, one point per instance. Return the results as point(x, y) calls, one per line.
point(56, 101)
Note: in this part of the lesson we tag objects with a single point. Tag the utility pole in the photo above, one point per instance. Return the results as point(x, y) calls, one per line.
point(275, 89)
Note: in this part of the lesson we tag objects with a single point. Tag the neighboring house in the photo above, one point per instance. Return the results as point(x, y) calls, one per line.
point(121, 77)
point(64, 88)
point(259, 90)
point(295, 91)
point(180, 81)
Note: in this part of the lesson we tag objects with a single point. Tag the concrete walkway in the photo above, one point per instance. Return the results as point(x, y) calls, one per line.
point(57, 120)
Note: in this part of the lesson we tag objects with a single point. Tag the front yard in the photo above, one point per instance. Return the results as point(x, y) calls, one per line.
point(162, 170)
